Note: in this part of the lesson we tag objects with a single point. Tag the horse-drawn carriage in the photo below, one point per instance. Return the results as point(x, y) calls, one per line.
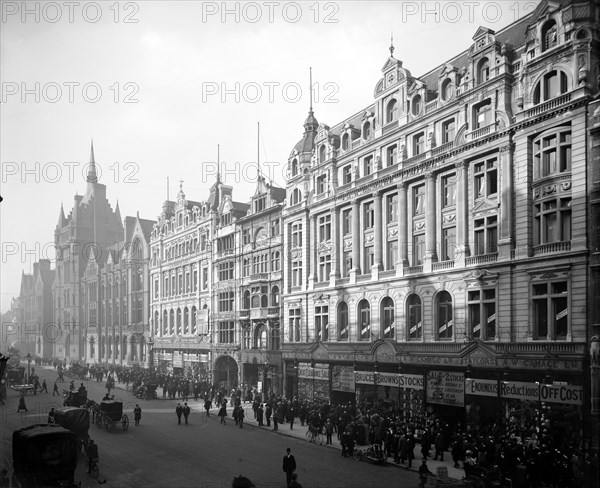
point(77, 420)
point(147, 391)
point(74, 398)
point(15, 376)
point(109, 413)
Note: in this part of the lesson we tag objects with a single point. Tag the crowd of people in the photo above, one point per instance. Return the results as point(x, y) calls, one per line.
point(531, 453)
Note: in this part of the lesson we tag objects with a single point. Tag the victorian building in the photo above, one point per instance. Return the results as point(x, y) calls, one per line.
point(438, 250)
point(91, 228)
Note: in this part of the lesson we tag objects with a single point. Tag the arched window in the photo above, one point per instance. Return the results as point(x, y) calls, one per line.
point(549, 35)
point(246, 302)
point(322, 152)
point(255, 301)
point(444, 316)
point(367, 130)
point(296, 197)
point(156, 323)
point(414, 314)
point(172, 322)
point(447, 90)
point(391, 112)
point(165, 323)
point(417, 105)
point(483, 70)
point(264, 300)
point(364, 320)
point(180, 220)
point(345, 142)
point(133, 353)
point(275, 296)
point(178, 321)
point(194, 328)
point(387, 318)
point(260, 337)
point(552, 85)
point(342, 321)
point(294, 167)
point(186, 321)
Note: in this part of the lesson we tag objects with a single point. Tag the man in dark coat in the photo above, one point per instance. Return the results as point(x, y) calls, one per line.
point(137, 414)
point(186, 412)
point(179, 411)
point(268, 412)
point(289, 466)
point(207, 406)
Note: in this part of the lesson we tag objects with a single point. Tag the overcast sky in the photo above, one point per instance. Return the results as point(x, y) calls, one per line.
point(159, 84)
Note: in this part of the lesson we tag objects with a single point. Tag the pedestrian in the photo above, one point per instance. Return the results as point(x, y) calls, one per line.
point(207, 406)
point(329, 431)
point(223, 413)
point(423, 473)
point(55, 390)
point(186, 412)
point(36, 385)
point(137, 414)
point(291, 416)
point(44, 387)
point(241, 415)
point(51, 418)
point(275, 419)
point(235, 414)
point(22, 405)
point(179, 411)
point(260, 414)
point(439, 446)
point(92, 454)
point(289, 466)
point(268, 412)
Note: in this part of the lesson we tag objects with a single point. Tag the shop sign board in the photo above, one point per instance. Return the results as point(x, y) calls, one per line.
point(203, 357)
point(520, 390)
point(342, 378)
point(481, 387)
point(177, 359)
point(446, 388)
point(319, 372)
point(569, 394)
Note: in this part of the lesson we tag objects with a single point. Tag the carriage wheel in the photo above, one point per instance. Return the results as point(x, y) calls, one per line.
point(125, 421)
point(358, 454)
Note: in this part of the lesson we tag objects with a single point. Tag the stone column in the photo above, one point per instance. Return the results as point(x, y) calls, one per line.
point(377, 230)
point(355, 242)
point(402, 228)
point(462, 215)
point(505, 240)
point(430, 223)
point(336, 245)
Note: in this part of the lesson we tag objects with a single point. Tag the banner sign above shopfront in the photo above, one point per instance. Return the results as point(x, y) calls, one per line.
point(495, 362)
point(342, 378)
point(446, 388)
point(569, 394)
point(319, 372)
point(520, 391)
point(481, 387)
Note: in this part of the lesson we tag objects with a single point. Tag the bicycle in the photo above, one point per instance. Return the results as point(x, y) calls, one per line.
point(314, 435)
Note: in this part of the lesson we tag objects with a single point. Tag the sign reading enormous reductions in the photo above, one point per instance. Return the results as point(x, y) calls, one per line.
point(342, 378)
point(481, 387)
point(414, 381)
point(520, 390)
point(319, 372)
point(446, 388)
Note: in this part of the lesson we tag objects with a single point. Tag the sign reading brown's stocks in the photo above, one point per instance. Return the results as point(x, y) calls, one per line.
point(446, 388)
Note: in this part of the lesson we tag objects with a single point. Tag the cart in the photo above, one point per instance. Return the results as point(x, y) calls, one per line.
point(15, 376)
point(147, 391)
point(375, 456)
point(111, 413)
point(74, 398)
point(77, 420)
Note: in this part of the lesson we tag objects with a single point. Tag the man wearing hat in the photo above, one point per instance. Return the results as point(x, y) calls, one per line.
point(289, 466)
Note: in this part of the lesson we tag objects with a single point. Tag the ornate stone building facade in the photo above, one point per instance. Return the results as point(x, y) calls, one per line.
point(437, 240)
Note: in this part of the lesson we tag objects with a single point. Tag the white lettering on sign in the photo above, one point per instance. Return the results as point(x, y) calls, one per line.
point(571, 395)
point(520, 390)
point(481, 387)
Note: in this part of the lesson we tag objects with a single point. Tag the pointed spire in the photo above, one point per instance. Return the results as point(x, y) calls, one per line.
point(392, 46)
point(61, 216)
point(118, 211)
point(257, 151)
point(310, 124)
point(310, 110)
point(92, 177)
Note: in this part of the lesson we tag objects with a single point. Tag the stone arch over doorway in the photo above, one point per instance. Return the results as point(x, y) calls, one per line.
point(226, 372)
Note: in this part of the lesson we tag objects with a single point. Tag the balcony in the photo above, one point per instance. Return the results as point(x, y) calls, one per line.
point(258, 277)
point(482, 131)
point(273, 311)
point(413, 269)
point(244, 314)
point(442, 149)
point(258, 313)
point(552, 248)
point(481, 259)
point(415, 159)
point(431, 106)
point(549, 105)
point(441, 265)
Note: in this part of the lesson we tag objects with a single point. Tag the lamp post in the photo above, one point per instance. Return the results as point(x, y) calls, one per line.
point(28, 367)
point(265, 377)
point(312, 366)
point(150, 355)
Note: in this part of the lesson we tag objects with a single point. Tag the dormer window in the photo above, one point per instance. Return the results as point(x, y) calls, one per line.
point(549, 35)
point(345, 142)
point(417, 105)
point(482, 114)
point(552, 85)
point(447, 90)
point(483, 71)
point(322, 153)
point(321, 184)
point(391, 112)
point(226, 219)
point(296, 197)
point(260, 203)
point(294, 167)
point(367, 130)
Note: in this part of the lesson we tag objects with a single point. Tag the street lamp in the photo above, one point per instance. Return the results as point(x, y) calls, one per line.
point(150, 355)
point(28, 367)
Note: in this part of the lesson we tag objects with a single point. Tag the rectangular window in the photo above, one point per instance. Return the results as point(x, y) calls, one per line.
point(419, 200)
point(226, 270)
point(418, 253)
point(368, 165)
point(205, 278)
point(226, 332)
point(294, 325)
point(448, 191)
point(321, 184)
point(195, 281)
point(155, 289)
point(486, 235)
point(369, 212)
point(392, 155)
point(346, 222)
point(485, 174)
point(552, 221)
point(418, 144)
point(392, 208)
point(275, 227)
point(448, 131)
point(482, 314)
point(392, 254)
point(246, 236)
point(482, 114)
point(260, 203)
point(324, 267)
point(448, 243)
point(322, 323)
point(325, 228)
point(275, 261)
point(296, 273)
point(297, 234)
point(246, 267)
point(347, 263)
point(347, 174)
point(226, 301)
point(369, 258)
point(550, 310)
